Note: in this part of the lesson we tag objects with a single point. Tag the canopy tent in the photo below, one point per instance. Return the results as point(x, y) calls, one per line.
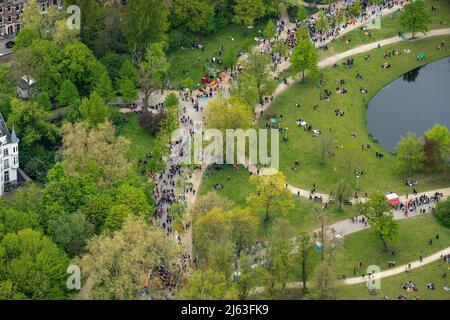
point(392, 197)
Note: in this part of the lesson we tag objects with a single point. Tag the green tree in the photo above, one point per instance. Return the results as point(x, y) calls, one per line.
point(324, 282)
point(343, 192)
point(443, 213)
point(414, 17)
point(244, 226)
point(355, 8)
point(237, 116)
point(94, 110)
point(410, 154)
point(279, 259)
point(30, 121)
point(247, 11)
point(145, 23)
point(68, 94)
point(304, 245)
point(270, 30)
point(257, 66)
point(118, 264)
point(96, 208)
point(322, 23)
point(34, 265)
point(128, 82)
point(211, 229)
point(196, 16)
point(271, 194)
point(441, 135)
point(12, 221)
point(304, 58)
point(301, 14)
point(247, 277)
point(207, 284)
point(116, 217)
point(32, 17)
point(339, 16)
point(25, 38)
point(96, 153)
point(135, 199)
point(152, 71)
point(380, 217)
point(71, 232)
point(101, 83)
point(205, 203)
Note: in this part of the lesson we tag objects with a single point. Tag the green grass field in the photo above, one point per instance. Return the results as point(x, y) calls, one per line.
point(380, 175)
point(390, 27)
point(141, 142)
point(195, 60)
point(412, 242)
point(365, 246)
point(392, 286)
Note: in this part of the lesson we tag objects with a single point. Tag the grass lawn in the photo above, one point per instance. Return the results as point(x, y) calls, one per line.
point(390, 27)
point(195, 60)
point(239, 187)
point(365, 246)
point(392, 286)
point(412, 242)
point(379, 175)
point(141, 142)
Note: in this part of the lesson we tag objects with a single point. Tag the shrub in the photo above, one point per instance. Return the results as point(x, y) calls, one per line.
point(443, 213)
point(152, 121)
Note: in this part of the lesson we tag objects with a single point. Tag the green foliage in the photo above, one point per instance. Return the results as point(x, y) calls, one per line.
point(302, 13)
point(25, 38)
point(152, 70)
point(34, 265)
point(127, 82)
point(30, 121)
point(247, 11)
point(414, 17)
point(145, 23)
point(196, 16)
point(443, 213)
point(94, 110)
point(279, 259)
point(381, 219)
point(270, 30)
point(68, 94)
point(304, 58)
point(441, 136)
point(71, 232)
point(410, 154)
point(116, 217)
point(12, 221)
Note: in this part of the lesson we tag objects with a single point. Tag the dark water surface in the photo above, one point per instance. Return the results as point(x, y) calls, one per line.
point(415, 102)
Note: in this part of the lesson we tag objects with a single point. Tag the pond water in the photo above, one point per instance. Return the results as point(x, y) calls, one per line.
point(414, 102)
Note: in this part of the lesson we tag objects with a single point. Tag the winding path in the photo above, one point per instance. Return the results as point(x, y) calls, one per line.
point(391, 272)
point(344, 227)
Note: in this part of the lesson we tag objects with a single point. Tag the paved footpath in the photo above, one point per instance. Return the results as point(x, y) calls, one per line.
point(391, 272)
point(398, 270)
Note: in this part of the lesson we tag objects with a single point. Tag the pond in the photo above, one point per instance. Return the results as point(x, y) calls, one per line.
point(415, 102)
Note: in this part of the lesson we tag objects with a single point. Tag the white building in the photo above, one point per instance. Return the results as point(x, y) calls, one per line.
point(9, 156)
